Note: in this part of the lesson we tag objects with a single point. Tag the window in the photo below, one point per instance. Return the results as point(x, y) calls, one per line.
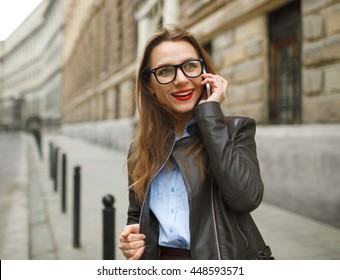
point(284, 63)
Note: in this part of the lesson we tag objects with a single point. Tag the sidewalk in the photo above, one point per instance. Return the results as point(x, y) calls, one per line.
point(103, 171)
point(13, 197)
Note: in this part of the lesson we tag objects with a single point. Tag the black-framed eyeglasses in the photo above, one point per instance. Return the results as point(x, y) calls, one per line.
point(166, 74)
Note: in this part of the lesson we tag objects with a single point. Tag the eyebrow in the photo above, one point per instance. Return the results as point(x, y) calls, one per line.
point(169, 64)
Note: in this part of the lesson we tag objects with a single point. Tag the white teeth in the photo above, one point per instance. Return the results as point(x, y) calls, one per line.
point(182, 93)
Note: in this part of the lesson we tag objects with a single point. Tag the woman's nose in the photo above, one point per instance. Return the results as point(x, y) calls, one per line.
point(180, 76)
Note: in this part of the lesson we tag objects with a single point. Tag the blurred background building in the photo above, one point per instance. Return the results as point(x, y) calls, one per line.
point(31, 69)
point(72, 64)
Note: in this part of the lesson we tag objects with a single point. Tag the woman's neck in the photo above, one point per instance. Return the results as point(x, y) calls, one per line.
point(179, 128)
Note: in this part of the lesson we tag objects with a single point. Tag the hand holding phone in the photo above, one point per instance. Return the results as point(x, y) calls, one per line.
point(207, 85)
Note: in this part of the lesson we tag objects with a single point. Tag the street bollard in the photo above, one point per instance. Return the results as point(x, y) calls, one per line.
point(63, 183)
point(76, 208)
point(51, 160)
point(37, 136)
point(108, 228)
point(55, 164)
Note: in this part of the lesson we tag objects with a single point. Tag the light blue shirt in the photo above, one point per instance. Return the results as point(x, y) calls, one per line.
point(169, 203)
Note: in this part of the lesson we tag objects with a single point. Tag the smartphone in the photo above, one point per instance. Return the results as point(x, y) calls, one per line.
point(207, 85)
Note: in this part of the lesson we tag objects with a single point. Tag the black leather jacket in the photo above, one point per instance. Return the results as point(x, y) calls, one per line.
point(220, 224)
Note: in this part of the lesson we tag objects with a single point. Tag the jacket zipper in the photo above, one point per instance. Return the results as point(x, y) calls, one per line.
point(214, 222)
point(242, 234)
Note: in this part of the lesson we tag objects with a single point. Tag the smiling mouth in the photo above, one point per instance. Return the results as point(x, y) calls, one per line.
point(183, 95)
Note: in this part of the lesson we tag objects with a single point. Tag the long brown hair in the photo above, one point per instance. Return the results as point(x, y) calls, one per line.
point(156, 123)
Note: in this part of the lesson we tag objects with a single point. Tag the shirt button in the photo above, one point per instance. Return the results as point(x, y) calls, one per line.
point(171, 229)
point(172, 189)
point(172, 210)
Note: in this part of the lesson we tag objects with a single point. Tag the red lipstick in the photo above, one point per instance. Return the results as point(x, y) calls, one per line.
point(183, 95)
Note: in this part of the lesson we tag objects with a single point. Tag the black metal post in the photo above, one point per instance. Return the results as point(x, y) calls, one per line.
point(51, 160)
point(56, 159)
point(37, 136)
point(63, 183)
point(108, 228)
point(76, 208)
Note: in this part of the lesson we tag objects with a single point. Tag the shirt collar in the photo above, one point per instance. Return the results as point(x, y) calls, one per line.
point(186, 132)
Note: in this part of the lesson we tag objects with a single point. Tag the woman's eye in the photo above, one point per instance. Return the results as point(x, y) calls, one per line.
point(165, 71)
point(191, 65)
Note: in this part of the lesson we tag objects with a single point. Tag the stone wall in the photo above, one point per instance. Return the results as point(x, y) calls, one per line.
point(115, 135)
point(321, 61)
point(300, 169)
point(240, 55)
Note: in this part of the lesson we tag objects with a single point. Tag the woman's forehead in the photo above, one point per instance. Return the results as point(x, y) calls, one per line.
point(172, 52)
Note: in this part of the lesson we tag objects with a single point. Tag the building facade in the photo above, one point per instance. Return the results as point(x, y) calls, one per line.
point(99, 65)
point(31, 65)
point(280, 57)
point(99, 55)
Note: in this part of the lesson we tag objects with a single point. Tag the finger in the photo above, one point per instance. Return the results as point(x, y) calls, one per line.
point(131, 238)
point(129, 253)
point(131, 245)
point(135, 237)
point(218, 87)
point(138, 254)
point(215, 77)
point(224, 82)
point(212, 80)
point(220, 84)
point(225, 88)
point(134, 228)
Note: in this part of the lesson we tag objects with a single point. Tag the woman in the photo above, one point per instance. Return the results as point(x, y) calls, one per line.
point(193, 173)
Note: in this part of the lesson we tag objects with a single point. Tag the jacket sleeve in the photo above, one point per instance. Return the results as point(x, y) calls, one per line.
point(231, 148)
point(134, 207)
